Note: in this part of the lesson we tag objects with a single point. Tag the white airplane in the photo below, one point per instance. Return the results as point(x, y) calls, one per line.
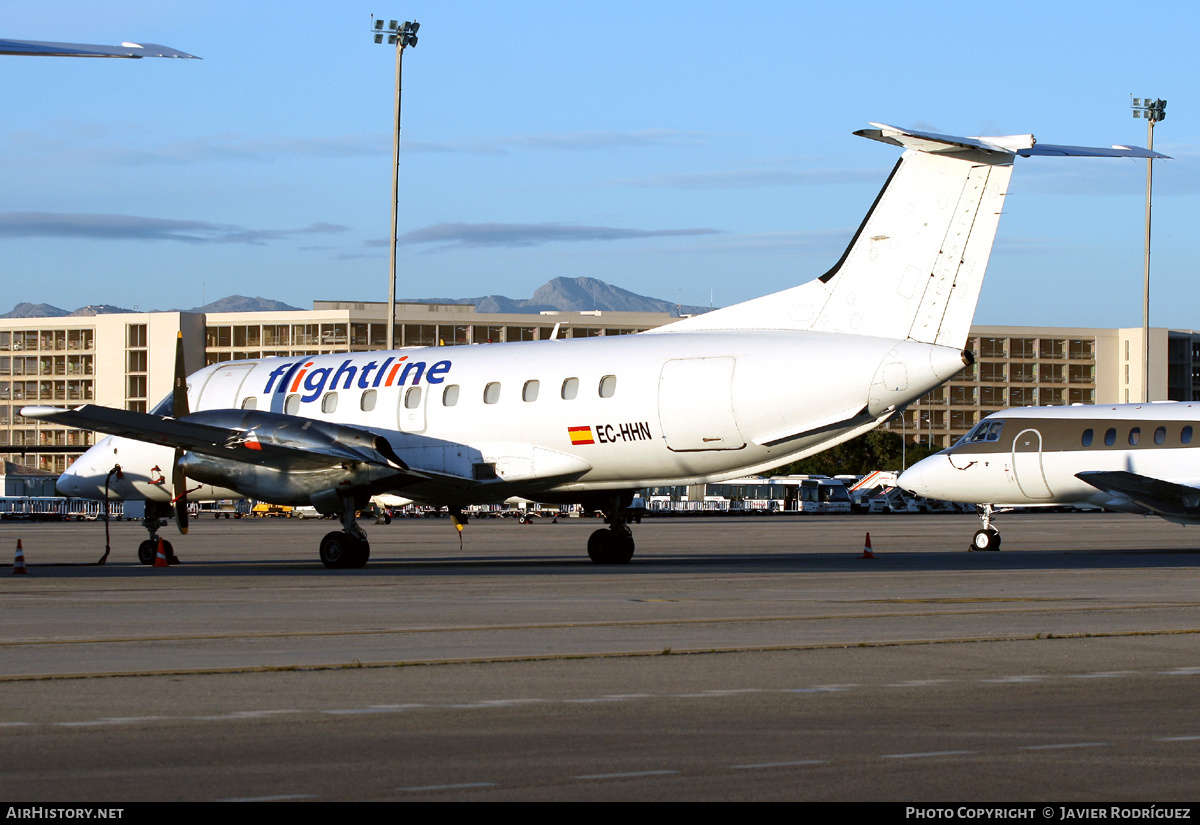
point(1135, 458)
point(729, 393)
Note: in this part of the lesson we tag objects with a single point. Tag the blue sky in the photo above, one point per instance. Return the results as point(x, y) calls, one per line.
point(676, 149)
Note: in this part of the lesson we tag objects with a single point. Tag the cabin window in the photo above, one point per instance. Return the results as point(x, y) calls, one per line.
point(491, 393)
point(1186, 435)
point(367, 402)
point(412, 398)
point(1135, 435)
point(450, 396)
point(608, 386)
point(570, 389)
point(1110, 437)
point(530, 391)
point(1087, 437)
point(250, 402)
point(291, 404)
point(1160, 435)
point(329, 402)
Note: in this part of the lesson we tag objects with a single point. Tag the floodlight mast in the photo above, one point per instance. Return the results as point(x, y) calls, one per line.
point(1154, 111)
point(399, 36)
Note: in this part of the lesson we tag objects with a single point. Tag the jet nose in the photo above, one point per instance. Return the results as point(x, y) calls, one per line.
point(916, 479)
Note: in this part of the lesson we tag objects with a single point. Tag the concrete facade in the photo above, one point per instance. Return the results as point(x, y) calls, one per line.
point(127, 360)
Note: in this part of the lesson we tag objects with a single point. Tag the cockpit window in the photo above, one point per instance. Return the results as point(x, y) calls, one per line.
point(166, 406)
point(985, 431)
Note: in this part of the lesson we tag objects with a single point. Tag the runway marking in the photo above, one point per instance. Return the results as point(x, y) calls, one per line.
point(1013, 679)
point(277, 798)
point(796, 764)
point(460, 786)
point(114, 720)
point(629, 775)
point(920, 683)
point(1178, 739)
point(607, 654)
point(1064, 746)
point(924, 754)
point(1115, 674)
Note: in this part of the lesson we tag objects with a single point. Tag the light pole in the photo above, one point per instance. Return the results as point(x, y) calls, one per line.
point(1154, 111)
point(398, 36)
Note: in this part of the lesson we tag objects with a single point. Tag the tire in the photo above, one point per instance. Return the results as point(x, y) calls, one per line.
point(147, 550)
point(341, 551)
point(608, 547)
point(985, 540)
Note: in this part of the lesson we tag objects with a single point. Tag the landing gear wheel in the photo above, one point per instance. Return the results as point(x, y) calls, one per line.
point(610, 547)
point(987, 539)
point(148, 551)
point(342, 551)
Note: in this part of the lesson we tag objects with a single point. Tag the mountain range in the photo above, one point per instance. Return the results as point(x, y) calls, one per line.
point(561, 294)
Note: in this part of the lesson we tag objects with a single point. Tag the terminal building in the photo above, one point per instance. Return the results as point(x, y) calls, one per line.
point(127, 360)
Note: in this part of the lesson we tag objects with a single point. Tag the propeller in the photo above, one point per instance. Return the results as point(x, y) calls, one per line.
point(179, 408)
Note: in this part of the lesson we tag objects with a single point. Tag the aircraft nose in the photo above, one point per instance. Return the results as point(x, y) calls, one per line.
point(917, 478)
point(68, 483)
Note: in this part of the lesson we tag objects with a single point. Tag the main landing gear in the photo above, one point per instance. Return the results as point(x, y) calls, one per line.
point(613, 545)
point(987, 538)
point(348, 548)
point(155, 518)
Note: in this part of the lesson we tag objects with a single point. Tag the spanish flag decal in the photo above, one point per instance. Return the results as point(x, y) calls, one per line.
point(580, 435)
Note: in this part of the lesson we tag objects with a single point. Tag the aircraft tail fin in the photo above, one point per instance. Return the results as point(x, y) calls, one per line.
point(914, 268)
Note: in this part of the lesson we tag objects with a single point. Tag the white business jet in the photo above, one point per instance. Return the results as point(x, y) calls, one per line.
point(1135, 458)
point(729, 393)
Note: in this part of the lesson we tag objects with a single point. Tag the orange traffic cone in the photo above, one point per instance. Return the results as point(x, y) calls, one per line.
point(867, 554)
point(160, 560)
point(19, 562)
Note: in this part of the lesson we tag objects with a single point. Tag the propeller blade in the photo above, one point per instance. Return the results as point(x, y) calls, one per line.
point(179, 396)
point(179, 408)
point(179, 488)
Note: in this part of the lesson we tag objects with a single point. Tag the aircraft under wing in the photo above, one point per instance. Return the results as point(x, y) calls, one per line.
point(1166, 498)
point(38, 48)
point(246, 436)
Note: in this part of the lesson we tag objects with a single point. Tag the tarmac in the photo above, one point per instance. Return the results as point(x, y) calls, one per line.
point(736, 658)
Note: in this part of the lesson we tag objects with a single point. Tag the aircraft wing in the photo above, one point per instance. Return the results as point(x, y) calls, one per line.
point(249, 436)
point(1166, 498)
point(48, 49)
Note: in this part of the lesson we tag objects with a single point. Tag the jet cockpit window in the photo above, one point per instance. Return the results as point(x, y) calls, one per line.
point(985, 431)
